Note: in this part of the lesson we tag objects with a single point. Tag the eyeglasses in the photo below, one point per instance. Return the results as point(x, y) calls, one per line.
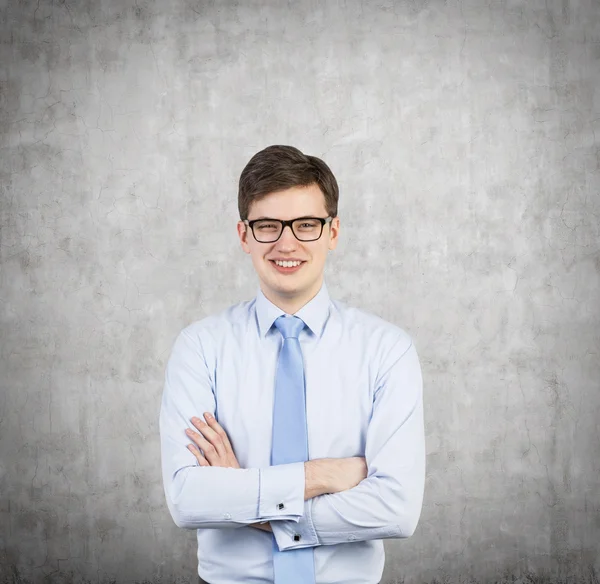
point(303, 228)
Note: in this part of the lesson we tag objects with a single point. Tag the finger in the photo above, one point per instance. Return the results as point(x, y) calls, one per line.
point(214, 425)
point(210, 435)
point(201, 460)
point(210, 452)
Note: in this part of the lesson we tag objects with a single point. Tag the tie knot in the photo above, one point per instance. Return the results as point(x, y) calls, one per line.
point(289, 327)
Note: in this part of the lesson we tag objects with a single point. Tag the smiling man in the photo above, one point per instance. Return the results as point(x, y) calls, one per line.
point(291, 425)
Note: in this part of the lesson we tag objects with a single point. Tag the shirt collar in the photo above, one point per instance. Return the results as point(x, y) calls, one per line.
point(314, 313)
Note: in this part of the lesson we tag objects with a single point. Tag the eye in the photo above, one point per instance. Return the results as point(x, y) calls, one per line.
point(309, 224)
point(265, 225)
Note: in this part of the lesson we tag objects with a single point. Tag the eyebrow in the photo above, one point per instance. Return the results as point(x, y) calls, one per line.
point(274, 219)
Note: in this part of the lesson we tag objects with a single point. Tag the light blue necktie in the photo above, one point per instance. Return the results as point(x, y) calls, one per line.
point(290, 441)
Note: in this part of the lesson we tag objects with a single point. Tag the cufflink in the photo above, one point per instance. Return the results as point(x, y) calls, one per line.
point(296, 537)
point(280, 506)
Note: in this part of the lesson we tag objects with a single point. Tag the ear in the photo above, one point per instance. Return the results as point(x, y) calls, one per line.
point(334, 232)
point(243, 235)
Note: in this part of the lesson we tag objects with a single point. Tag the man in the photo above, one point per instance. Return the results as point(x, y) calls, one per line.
point(293, 454)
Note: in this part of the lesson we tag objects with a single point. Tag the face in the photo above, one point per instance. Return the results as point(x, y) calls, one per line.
point(290, 291)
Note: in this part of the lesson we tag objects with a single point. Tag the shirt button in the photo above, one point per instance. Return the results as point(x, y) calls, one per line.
point(227, 515)
point(296, 537)
point(352, 537)
point(281, 506)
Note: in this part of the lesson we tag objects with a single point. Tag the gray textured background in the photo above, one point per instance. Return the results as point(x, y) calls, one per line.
point(464, 139)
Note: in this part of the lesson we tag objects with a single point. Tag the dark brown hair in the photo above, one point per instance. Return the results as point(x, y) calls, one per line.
point(277, 168)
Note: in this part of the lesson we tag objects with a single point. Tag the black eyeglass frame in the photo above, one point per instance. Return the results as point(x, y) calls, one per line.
point(290, 223)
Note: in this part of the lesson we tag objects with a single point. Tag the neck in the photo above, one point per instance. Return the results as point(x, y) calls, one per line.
point(293, 302)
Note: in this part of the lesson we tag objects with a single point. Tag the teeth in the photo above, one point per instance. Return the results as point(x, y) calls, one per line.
point(288, 264)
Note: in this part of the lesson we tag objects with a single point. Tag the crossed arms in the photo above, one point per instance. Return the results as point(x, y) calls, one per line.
point(321, 502)
point(212, 447)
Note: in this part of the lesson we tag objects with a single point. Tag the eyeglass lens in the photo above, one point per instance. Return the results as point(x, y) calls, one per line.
point(304, 229)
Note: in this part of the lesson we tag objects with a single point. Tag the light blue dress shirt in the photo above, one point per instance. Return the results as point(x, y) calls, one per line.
point(364, 397)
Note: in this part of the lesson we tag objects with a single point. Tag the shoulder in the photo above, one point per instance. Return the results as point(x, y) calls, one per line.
point(384, 333)
point(387, 347)
point(213, 327)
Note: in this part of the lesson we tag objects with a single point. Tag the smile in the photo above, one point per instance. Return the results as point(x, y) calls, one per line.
point(283, 270)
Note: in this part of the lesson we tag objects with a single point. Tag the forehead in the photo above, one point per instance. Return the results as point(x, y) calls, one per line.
point(290, 203)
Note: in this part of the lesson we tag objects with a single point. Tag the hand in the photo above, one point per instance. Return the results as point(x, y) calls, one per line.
point(349, 472)
point(333, 475)
point(214, 443)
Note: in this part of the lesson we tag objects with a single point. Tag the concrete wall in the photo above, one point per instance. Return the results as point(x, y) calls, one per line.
point(464, 136)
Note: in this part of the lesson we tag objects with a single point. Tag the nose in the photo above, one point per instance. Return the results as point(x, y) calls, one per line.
point(287, 234)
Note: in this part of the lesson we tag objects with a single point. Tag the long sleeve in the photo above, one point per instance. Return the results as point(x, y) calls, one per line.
point(214, 497)
point(387, 504)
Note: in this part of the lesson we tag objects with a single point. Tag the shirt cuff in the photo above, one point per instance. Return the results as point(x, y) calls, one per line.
point(281, 492)
point(291, 535)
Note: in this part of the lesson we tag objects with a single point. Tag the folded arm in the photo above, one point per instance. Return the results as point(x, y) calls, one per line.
point(387, 504)
point(210, 496)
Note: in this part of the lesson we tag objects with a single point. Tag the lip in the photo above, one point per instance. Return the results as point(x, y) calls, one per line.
point(286, 270)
